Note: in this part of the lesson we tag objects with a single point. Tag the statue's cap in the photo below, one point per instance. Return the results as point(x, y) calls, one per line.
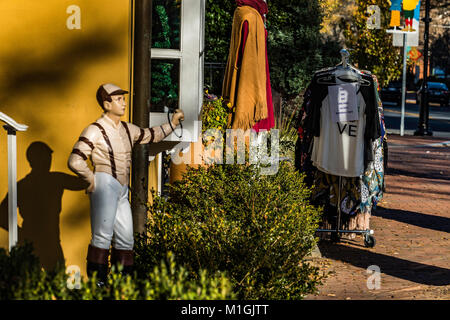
point(112, 89)
point(105, 91)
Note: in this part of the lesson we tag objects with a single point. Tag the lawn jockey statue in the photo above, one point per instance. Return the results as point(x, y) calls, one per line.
point(108, 142)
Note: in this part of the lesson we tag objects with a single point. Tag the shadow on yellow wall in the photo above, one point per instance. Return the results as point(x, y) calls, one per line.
point(39, 203)
point(48, 80)
point(57, 71)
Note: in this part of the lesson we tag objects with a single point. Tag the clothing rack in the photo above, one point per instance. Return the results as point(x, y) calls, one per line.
point(369, 239)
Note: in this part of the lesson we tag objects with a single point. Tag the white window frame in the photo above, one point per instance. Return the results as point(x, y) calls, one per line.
point(191, 58)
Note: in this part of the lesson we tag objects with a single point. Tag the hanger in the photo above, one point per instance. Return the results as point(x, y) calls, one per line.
point(343, 71)
point(348, 73)
point(326, 79)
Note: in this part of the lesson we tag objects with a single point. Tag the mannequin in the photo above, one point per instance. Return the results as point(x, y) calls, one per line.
point(108, 142)
point(247, 80)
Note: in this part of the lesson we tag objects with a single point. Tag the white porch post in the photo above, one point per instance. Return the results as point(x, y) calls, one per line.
point(11, 128)
point(12, 187)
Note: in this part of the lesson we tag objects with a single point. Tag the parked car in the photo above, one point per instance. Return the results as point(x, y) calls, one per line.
point(437, 92)
point(392, 93)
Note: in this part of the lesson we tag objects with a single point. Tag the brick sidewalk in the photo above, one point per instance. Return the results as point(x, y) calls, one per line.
point(412, 230)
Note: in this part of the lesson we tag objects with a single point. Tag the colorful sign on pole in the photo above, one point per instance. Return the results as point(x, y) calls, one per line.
point(411, 18)
point(414, 54)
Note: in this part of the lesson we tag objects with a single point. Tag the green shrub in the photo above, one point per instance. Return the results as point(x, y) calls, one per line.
point(229, 218)
point(169, 282)
point(21, 277)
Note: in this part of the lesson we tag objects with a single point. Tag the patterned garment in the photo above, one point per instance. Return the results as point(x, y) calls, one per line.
point(372, 183)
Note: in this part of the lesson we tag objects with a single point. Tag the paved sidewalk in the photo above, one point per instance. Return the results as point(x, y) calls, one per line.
point(412, 230)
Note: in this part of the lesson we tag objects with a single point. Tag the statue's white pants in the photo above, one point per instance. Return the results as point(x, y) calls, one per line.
point(111, 218)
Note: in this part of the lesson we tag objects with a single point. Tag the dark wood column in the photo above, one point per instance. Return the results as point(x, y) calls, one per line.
point(141, 108)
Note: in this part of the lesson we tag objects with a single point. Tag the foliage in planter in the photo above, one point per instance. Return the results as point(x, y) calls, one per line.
point(228, 218)
point(22, 278)
point(214, 113)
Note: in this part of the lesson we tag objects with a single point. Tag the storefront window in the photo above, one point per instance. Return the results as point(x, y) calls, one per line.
point(165, 88)
point(166, 24)
point(177, 64)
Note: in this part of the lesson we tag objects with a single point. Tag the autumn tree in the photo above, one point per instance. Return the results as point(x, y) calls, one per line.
point(372, 49)
point(336, 15)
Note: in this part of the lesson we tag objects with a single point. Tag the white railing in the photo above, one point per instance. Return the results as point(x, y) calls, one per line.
point(11, 128)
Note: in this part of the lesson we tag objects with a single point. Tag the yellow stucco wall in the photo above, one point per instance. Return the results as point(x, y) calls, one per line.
point(48, 79)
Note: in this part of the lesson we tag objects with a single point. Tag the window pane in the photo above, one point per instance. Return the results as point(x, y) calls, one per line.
point(166, 24)
point(165, 88)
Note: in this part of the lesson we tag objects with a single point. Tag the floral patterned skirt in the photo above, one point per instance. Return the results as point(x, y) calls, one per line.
point(355, 196)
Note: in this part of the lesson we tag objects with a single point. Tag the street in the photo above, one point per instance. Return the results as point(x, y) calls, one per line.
point(439, 120)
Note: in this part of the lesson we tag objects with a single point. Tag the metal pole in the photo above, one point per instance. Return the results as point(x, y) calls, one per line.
point(141, 109)
point(402, 121)
point(12, 187)
point(426, 63)
point(428, 130)
point(422, 127)
point(338, 223)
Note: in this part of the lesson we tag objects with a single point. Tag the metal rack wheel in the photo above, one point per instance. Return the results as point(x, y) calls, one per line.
point(369, 241)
